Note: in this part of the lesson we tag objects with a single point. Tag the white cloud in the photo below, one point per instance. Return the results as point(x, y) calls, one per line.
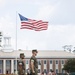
point(6, 24)
point(64, 13)
point(61, 35)
point(2, 2)
point(47, 10)
point(59, 12)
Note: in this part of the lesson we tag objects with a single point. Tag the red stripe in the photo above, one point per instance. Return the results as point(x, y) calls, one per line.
point(34, 29)
point(29, 24)
point(40, 22)
point(40, 28)
point(34, 25)
point(41, 25)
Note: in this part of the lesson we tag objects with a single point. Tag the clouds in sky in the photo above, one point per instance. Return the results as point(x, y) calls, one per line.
point(59, 13)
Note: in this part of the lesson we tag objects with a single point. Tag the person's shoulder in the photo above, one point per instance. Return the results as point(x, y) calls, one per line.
point(19, 60)
point(32, 57)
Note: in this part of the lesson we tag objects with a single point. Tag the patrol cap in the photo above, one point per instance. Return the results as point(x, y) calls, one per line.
point(34, 51)
point(22, 54)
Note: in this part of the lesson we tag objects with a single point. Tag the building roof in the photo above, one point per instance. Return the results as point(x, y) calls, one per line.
point(41, 54)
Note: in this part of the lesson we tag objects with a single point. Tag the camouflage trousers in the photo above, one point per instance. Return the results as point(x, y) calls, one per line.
point(21, 72)
point(36, 72)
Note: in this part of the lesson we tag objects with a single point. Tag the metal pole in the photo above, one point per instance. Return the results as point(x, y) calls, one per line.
point(16, 42)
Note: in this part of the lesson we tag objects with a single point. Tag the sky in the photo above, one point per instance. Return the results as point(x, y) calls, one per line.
point(59, 13)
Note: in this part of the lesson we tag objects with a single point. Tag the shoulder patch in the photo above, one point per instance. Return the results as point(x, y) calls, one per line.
point(32, 60)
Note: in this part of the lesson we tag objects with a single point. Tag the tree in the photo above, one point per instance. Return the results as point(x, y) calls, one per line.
point(69, 66)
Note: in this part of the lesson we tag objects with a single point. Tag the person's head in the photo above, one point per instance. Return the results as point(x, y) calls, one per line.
point(22, 55)
point(34, 52)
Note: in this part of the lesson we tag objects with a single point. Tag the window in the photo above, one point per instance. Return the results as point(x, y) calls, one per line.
point(0, 61)
point(50, 70)
point(50, 61)
point(14, 62)
point(1, 66)
point(62, 71)
point(56, 62)
point(38, 70)
point(26, 61)
point(44, 61)
point(8, 66)
point(15, 66)
point(39, 62)
point(44, 70)
point(62, 62)
point(56, 70)
point(8, 62)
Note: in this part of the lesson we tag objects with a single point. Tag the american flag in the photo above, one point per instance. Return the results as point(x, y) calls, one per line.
point(27, 23)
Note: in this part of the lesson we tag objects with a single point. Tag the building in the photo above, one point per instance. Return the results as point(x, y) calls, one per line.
point(47, 60)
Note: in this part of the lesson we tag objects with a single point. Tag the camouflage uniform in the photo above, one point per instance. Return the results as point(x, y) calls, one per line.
point(34, 59)
point(21, 65)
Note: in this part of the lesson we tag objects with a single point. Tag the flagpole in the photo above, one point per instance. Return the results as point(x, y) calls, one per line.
point(16, 41)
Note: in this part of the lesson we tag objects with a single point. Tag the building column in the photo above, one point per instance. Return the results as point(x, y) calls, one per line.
point(12, 66)
point(48, 66)
point(42, 65)
point(4, 66)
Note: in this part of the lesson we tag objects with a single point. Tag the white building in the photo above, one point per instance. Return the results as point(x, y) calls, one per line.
point(46, 60)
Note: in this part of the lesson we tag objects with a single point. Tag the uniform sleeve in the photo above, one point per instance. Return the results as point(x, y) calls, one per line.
point(32, 59)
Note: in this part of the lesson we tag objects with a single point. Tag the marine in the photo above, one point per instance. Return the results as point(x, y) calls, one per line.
point(21, 65)
point(34, 63)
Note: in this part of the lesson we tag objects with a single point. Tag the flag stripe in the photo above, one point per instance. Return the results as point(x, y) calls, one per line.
point(34, 26)
point(41, 24)
point(34, 23)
